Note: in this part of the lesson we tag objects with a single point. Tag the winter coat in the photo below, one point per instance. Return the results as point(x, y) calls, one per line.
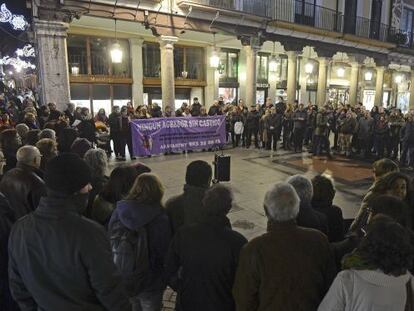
point(274, 122)
point(395, 123)
point(86, 129)
point(214, 110)
point(102, 210)
point(185, 209)
point(347, 126)
point(280, 107)
point(114, 121)
point(321, 124)
point(287, 260)
point(202, 262)
point(7, 220)
point(365, 128)
point(334, 218)
point(135, 215)
point(362, 290)
point(310, 218)
point(252, 120)
point(60, 260)
point(408, 134)
point(299, 119)
point(381, 128)
point(97, 184)
point(195, 109)
point(23, 187)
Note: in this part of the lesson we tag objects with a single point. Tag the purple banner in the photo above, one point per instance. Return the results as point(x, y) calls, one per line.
point(160, 135)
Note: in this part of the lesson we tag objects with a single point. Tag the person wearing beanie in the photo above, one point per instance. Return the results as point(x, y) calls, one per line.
point(59, 260)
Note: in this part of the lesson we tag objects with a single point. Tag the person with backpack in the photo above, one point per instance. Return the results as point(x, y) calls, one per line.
point(140, 234)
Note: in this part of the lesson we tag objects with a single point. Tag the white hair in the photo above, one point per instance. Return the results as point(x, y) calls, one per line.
point(281, 202)
point(27, 154)
point(303, 187)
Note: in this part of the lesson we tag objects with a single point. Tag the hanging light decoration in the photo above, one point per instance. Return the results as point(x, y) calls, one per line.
point(116, 51)
point(16, 21)
point(273, 63)
point(214, 58)
point(27, 51)
point(308, 68)
point(16, 62)
point(368, 75)
point(398, 78)
point(74, 69)
point(340, 72)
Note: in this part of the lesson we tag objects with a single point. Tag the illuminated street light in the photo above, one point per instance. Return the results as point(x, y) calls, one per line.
point(398, 78)
point(273, 64)
point(308, 68)
point(214, 60)
point(116, 53)
point(368, 76)
point(340, 72)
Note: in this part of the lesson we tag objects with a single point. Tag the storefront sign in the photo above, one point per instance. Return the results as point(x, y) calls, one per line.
point(160, 135)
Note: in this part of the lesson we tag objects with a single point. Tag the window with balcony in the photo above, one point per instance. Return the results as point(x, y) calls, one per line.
point(151, 60)
point(77, 55)
point(262, 68)
point(229, 62)
point(91, 55)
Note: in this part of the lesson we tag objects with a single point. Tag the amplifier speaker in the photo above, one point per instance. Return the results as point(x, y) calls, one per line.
point(221, 167)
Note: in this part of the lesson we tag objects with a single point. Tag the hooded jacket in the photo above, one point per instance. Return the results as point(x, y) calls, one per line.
point(362, 290)
point(59, 260)
point(135, 215)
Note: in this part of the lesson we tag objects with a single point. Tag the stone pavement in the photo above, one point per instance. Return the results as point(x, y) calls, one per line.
point(252, 172)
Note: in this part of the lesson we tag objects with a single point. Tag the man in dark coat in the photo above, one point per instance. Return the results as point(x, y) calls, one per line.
point(407, 138)
point(115, 126)
point(299, 126)
point(252, 127)
point(23, 185)
point(307, 216)
point(208, 288)
point(7, 220)
point(195, 108)
point(289, 268)
point(274, 128)
point(59, 260)
point(184, 209)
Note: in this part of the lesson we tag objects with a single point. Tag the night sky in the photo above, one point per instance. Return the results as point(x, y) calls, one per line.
point(8, 42)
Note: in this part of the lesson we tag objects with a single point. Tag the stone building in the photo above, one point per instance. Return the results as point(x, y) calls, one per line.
point(102, 53)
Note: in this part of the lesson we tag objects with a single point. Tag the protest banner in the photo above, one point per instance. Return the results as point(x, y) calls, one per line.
point(161, 135)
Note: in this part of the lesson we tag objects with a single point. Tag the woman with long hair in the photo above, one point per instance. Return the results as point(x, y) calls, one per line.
point(142, 212)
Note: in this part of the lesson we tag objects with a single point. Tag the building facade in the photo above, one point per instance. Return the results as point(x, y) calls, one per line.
point(313, 51)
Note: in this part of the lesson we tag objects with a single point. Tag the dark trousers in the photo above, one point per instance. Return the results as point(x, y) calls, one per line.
point(287, 133)
point(129, 144)
point(393, 147)
point(336, 136)
point(407, 150)
point(249, 134)
point(120, 142)
point(320, 143)
point(272, 136)
point(298, 138)
point(379, 145)
point(235, 139)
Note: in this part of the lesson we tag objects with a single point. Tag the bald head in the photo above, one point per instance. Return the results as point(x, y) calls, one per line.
point(29, 155)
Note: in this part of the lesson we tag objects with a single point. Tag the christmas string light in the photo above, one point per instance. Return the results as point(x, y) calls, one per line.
point(17, 21)
point(17, 63)
point(27, 51)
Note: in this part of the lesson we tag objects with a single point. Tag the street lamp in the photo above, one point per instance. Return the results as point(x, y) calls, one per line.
point(308, 68)
point(214, 58)
point(340, 72)
point(368, 76)
point(116, 51)
point(398, 78)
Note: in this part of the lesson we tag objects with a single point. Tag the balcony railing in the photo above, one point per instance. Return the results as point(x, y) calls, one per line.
point(308, 14)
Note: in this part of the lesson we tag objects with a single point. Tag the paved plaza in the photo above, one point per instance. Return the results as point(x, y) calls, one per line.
point(252, 171)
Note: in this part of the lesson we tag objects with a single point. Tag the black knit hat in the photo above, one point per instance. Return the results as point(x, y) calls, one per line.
point(67, 173)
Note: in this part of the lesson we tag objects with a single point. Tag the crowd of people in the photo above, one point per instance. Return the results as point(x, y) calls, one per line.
point(74, 238)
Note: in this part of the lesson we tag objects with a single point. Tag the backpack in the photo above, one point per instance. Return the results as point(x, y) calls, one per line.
point(238, 127)
point(131, 256)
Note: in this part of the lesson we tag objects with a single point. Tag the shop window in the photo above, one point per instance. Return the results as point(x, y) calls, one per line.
point(79, 94)
point(77, 55)
point(179, 63)
point(229, 94)
point(99, 56)
point(151, 60)
point(122, 95)
point(194, 63)
point(101, 98)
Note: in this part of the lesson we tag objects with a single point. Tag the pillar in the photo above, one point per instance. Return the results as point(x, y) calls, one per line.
point(379, 87)
point(353, 85)
point(291, 77)
point(322, 78)
point(52, 62)
point(135, 47)
point(411, 106)
point(242, 75)
point(212, 88)
point(303, 82)
point(167, 71)
point(251, 75)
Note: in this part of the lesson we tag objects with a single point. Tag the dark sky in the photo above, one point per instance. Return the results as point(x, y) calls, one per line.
point(8, 41)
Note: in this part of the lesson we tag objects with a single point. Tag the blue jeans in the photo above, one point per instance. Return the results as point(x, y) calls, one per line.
point(147, 301)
